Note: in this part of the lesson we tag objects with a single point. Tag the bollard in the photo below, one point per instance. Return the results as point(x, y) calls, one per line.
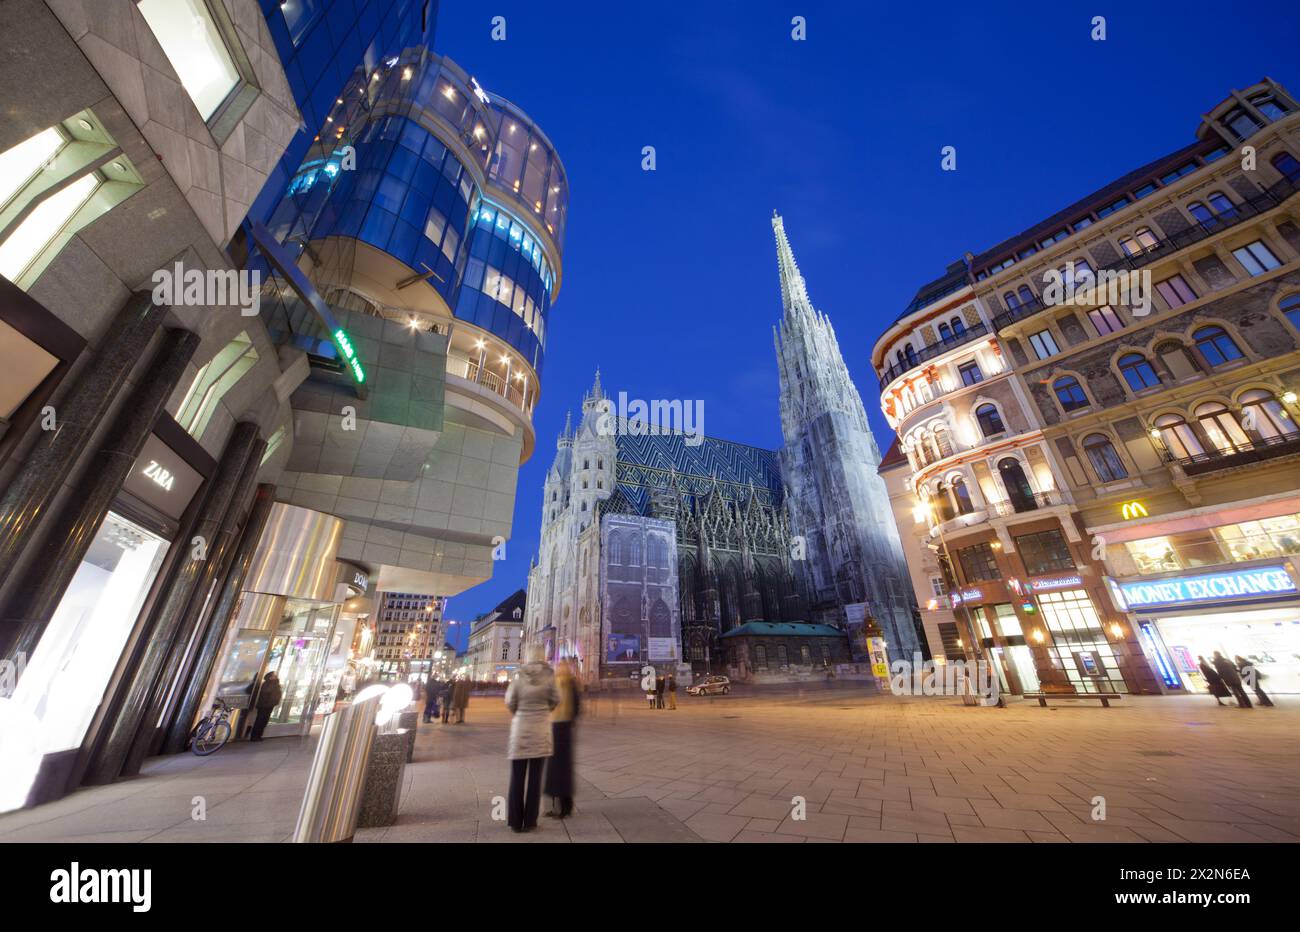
point(382, 792)
point(332, 799)
point(410, 722)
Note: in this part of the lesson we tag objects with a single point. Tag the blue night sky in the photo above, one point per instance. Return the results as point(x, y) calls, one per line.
point(670, 281)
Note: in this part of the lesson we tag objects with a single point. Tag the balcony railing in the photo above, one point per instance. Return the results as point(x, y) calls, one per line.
point(931, 351)
point(470, 370)
point(1251, 207)
point(1023, 504)
point(1265, 448)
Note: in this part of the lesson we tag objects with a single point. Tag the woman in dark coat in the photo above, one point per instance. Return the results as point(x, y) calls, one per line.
point(1213, 682)
point(559, 769)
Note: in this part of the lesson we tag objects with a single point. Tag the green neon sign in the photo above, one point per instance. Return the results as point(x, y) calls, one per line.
point(349, 354)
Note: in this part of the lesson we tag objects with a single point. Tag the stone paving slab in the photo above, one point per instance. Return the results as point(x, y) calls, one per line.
point(867, 768)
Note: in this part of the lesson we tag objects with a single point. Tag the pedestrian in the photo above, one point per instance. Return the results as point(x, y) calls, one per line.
point(430, 699)
point(1251, 676)
point(659, 691)
point(670, 686)
point(530, 698)
point(1231, 678)
point(648, 684)
point(559, 769)
point(460, 697)
point(268, 697)
point(446, 692)
point(1213, 682)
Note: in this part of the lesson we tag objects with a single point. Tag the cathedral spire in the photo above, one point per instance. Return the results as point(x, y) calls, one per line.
point(794, 292)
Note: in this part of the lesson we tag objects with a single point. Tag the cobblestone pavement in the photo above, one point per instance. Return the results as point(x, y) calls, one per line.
point(728, 768)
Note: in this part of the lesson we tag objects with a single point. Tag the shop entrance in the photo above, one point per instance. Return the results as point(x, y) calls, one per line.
point(1268, 638)
point(298, 651)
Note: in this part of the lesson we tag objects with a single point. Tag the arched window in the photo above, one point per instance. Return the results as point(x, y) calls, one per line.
point(1178, 436)
point(1026, 295)
point(1290, 306)
point(945, 333)
point(616, 548)
point(1216, 346)
point(1070, 393)
point(943, 503)
point(910, 354)
point(1177, 360)
point(1011, 300)
point(933, 444)
point(1221, 427)
point(1014, 480)
point(1287, 164)
point(1138, 372)
point(1264, 414)
point(942, 440)
point(989, 420)
point(958, 327)
point(1105, 461)
point(1203, 214)
point(962, 496)
point(1141, 241)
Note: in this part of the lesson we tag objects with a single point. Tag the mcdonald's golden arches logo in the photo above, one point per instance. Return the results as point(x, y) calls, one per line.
point(1133, 510)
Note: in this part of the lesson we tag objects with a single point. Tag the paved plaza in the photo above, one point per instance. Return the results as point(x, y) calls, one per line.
point(870, 768)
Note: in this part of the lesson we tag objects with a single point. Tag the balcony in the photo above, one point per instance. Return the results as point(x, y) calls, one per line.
point(1259, 204)
point(932, 351)
point(470, 370)
point(1027, 503)
point(1256, 451)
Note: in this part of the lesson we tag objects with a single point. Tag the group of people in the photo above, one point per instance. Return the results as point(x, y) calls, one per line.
point(544, 705)
point(451, 695)
point(1224, 677)
point(665, 687)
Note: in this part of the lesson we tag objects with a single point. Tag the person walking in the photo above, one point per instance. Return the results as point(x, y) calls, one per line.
point(1213, 682)
point(1231, 678)
point(531, 696)
point(670, 687)
point(445, 691)
point(659, 691)
point(461, 699)
point(268, 697)
point(559, 769)
point(1251, 676)
point(430, 699)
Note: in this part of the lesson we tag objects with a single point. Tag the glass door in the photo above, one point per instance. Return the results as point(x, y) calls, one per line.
point(298, 652)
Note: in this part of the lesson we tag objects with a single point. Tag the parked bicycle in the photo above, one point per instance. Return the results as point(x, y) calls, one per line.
point(213, 730)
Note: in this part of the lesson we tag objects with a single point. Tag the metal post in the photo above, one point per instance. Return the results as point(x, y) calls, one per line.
point(332, 800)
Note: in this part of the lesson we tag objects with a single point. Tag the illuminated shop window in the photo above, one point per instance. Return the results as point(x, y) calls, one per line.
point(213, 381)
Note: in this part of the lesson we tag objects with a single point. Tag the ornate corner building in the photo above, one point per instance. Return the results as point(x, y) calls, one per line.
point(1099, 480)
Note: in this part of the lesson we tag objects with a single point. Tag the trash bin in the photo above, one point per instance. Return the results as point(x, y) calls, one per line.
point(332, 799)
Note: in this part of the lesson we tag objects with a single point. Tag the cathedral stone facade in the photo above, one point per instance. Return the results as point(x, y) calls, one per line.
point(839, 507)
point(717, 557)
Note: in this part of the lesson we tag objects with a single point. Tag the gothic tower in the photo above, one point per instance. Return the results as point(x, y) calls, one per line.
point(837, 501)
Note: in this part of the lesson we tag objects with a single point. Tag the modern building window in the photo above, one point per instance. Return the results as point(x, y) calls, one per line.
point(1070, 393)
point(1044, 344)
point(1175, 291)
point(1290, 306)
point(1105, 461)
point(1216, 346)
point(1288, 165)
point(1178, 436)
point(1138, 372)
point(1221, 427)
point(978, 563)
point(1045, 552)
point(212, 383)
point(1256, 258)
point(989, 420)
point(192, 43)
point(970, 371)
point(1105, 320)
point(1264, 414)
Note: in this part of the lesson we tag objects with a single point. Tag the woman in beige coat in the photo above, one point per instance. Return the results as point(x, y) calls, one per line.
point(531, 697)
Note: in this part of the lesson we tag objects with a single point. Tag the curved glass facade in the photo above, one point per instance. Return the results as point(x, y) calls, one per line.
point(404, 187)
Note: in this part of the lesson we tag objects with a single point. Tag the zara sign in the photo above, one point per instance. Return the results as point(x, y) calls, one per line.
point(1237, 584)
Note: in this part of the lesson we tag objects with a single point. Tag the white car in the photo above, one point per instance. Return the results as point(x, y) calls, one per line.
point(709, 686)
